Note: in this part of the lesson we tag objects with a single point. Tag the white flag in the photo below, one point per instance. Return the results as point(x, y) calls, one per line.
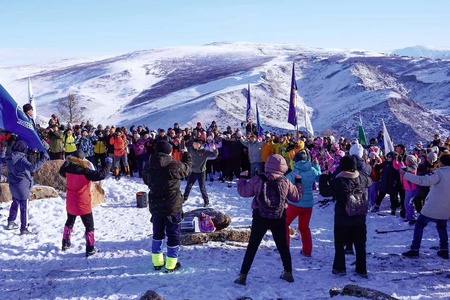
point(388, 145)
point(308, 124)
point(31, 98)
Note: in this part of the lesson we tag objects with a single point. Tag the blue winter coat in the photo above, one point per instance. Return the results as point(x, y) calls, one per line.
point(309, 174)
point(19, 174)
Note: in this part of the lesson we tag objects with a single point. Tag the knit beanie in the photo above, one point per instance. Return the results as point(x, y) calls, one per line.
point(20, 146)
point(301, 144)
point(27, 107)
point(357, 150)
point(432, 156)
point(347, 163)
point(163, 147)
point(412, 159)
point(80, 154)
point(301, 156)
point(276, 164)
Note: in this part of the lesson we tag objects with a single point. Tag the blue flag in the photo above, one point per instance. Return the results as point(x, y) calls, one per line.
point(249, 107)
point(292, 117)
point(258, 122)
point(13, 119)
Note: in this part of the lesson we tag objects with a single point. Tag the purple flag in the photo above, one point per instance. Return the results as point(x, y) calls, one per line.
point(249, 107)
point(292, 117)
point(258, 122)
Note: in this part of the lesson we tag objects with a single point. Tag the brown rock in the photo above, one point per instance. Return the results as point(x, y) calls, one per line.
point(151, 295)
point(235, 235)
point(48, 176)
point(221, 220)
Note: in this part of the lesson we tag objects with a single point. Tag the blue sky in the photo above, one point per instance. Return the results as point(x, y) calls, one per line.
point(42, 30)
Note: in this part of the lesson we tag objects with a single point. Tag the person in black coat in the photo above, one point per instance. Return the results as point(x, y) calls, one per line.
point(389, 183)
point(348, 229)
point(162, 175)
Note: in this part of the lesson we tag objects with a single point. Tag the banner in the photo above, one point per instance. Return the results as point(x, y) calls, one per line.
point(31, 98)
point(388, 145)
point(13, 119)
point(361, 133)
point(249, 106)
point(258, 123)
point(292, 116)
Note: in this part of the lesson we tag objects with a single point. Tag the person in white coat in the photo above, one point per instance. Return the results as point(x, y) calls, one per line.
point(436, 208)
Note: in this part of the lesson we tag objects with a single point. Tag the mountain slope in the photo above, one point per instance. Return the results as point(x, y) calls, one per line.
point(188, 84)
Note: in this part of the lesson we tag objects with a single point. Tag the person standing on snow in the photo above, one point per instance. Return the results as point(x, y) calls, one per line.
point(20, 183)
point(257, 187)
point(162, 175)
point(79, 173)
point(199, 157)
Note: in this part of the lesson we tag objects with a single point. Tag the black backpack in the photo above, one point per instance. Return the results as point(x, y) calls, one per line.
point(357, 203)
point(270, 199)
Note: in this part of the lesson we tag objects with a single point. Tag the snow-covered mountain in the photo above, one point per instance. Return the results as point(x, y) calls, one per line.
point(162, 86)
point(424, 51)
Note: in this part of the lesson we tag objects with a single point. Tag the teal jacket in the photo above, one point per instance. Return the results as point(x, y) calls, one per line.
point(309, 174)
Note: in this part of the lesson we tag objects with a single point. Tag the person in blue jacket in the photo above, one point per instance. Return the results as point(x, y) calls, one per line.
point(303, 209)
point(20, 183)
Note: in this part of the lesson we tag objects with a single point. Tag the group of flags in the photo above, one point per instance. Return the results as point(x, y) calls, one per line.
point(292, 117)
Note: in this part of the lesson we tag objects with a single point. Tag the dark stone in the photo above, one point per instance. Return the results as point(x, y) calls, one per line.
point(151, 295)
point(235, 235)
point(360, 292)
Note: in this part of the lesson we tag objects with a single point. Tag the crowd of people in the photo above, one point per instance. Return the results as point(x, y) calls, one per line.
point(334, 166)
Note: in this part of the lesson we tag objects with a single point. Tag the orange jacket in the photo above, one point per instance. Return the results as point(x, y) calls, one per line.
point(120, 144)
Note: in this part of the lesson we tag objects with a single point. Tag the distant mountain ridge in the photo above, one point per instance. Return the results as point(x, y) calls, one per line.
point(424, 51)
point(162, 86)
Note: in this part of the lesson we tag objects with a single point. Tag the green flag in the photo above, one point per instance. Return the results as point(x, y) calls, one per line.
point(361, 134)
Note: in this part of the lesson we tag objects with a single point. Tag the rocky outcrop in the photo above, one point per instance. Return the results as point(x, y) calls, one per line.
point(360, 292)
point(230, 234)
point(37, 192)
point(48, 179)
point(151, 295)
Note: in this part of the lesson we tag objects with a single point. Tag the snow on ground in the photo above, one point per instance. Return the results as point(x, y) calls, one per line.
point(34, 267)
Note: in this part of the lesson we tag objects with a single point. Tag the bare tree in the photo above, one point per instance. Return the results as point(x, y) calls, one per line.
point(69, 109)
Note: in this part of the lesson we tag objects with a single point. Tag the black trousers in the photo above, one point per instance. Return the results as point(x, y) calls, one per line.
point(350, 234)
point(259, 228)
point(200, 177)
point(88, 221)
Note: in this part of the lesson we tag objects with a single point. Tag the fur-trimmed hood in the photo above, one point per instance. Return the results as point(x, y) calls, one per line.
point(78, 161)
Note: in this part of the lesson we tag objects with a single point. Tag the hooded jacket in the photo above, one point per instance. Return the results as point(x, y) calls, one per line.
point(78, 174)
point(19, 173)
point(309, 175)
point(162, 176)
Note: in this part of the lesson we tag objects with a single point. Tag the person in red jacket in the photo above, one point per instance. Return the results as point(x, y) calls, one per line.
point(79, 173)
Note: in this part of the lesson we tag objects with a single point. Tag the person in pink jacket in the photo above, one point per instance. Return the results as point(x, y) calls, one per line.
point(410, 166)
point(274, 169)
point(79, 173)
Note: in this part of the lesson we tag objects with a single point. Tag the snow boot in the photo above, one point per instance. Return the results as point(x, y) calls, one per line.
point(90, 240)
point(127, 171)
point(287, 276)
point(242, 279)
point(411, 253)
point(375, 209)
point(339, 272)
point(12, 225)
point(25, 231)
point(67, 234)
point(443, 253)
point(177, 266)
point(116, 173)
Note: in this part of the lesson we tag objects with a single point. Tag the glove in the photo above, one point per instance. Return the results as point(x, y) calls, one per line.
point(109, 160)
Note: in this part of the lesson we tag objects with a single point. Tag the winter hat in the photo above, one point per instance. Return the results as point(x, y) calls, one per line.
point(276, 164)
point(301, 144)
point(340, 153)
point(163, 147)
point(199, 124)
point(432, 156)
point(357, 150)
point(301, 156)
point(375, 149)
point(80, 154)
point(435, 149)
point(445, 159)
point(347, 163)
point(318, 142)
point(20, 146)
point(412, 159)
point(373, 155)
point(210, 138)
point(335, 147)
point(27, 107)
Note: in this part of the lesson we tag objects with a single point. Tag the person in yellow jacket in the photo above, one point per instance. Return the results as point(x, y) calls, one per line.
point(70, 142)
point(268, 148)
point(299, 146)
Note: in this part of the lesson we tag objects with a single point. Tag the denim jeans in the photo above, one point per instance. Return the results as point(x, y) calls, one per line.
point(422, 222)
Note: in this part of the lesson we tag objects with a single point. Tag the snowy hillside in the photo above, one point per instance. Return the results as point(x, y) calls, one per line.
point(159, 87)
